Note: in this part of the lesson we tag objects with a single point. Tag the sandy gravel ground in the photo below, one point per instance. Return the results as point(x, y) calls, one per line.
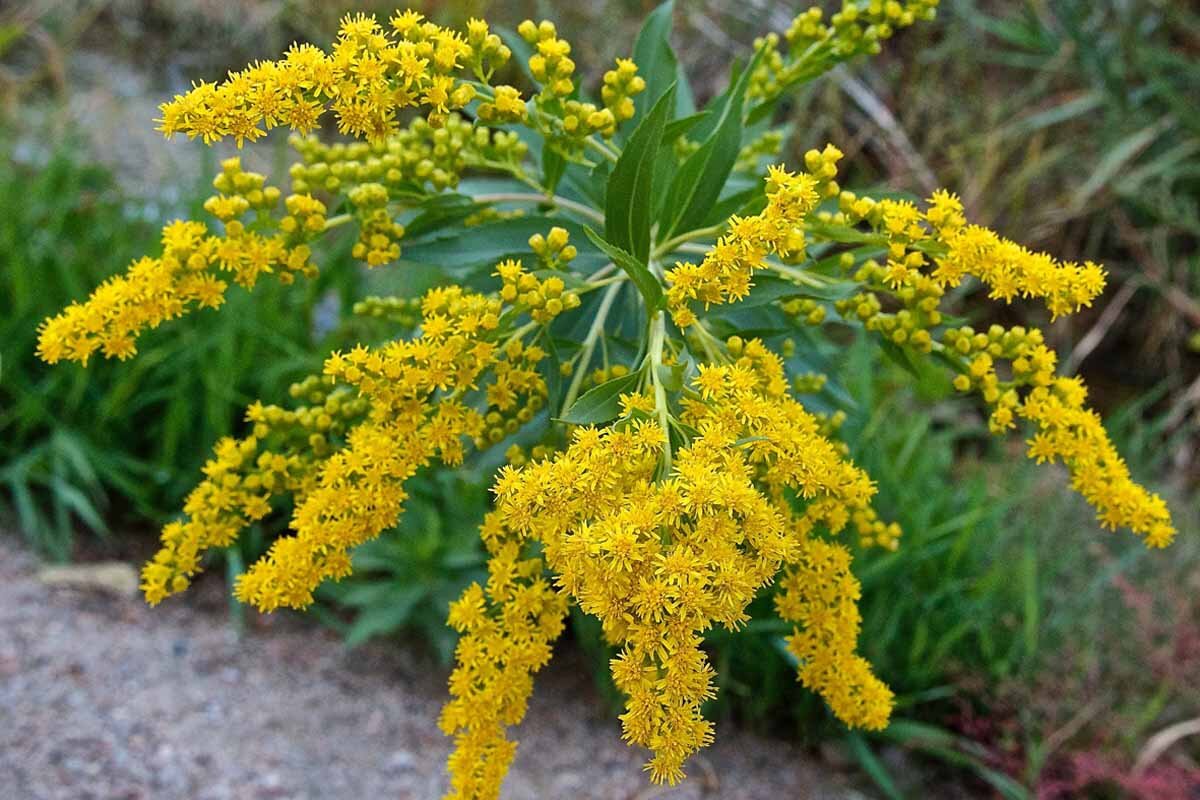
point(101, 697)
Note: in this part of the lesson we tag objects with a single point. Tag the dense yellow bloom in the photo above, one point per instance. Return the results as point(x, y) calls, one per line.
point(412, 388)
point(1066, 430)
point(192, 269)
point(368, 76)
point(726, 271)
point(820, 593)
point(506, 636)
point(282, 455)
point(661, 560)
point(959, 250)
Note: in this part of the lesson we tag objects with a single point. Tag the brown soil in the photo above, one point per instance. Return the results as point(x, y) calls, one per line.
point(101, 697)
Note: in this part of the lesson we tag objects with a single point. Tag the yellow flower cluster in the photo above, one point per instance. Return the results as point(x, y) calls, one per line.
point(725, 273)
point(281, 456)
point(1067, 430)
point(620, 87)
point(1006, 267)
point(940, 237)
point(369, 75)
point(660, 560)
point(507, 631)
point(415, 414)
point(821, 595)
point(712, 484)
point(186, 275)
point(544, 299)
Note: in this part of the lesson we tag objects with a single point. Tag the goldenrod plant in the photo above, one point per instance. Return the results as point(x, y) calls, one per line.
point(618, 306)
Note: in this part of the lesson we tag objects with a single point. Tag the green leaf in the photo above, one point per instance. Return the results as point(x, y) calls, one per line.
point(871, 765)
point(768, 289)
point(647, 284)
point(628, 204)
point(658, 65)
point(698, 183)
point(678, 127)
point(589, 184)
point(601, 403)
point(462, 251)
point(440, 211)
point(393, 611)
point(553, 166)
point(671, 377)
point(900, 356)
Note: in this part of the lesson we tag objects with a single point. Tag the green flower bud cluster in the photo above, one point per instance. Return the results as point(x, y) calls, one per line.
point(830, 424)
point(402, 311)
point(323, 414)
point(768, 145)
point(911, 325)
point(581, 120)
point(802, 308)
point(488, 51)
point(684, 147)
point(809, 382)
point(492, 214)
point(859, 28)
point(1031, 363)
point(874, 532)
point(419, 154)
point(815, 45)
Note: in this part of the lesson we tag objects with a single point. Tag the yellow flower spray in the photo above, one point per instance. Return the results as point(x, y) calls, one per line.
point(674, 473)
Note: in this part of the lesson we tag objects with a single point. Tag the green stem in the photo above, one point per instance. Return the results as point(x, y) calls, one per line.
point(340, 219)
point(514, 170)
point(658, 336)
point(593, 285)
point(601, 148)
point(553, 199)
point(520, 332)
point(711, 344)
point(670, 245)
point(589, 345)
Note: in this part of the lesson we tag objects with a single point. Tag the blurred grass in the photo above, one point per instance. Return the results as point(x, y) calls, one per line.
point(102, 446)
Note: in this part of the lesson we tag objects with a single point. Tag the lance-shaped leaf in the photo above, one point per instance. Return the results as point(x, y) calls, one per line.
point(646, 283)
point(698, 183)
point(629, 196)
